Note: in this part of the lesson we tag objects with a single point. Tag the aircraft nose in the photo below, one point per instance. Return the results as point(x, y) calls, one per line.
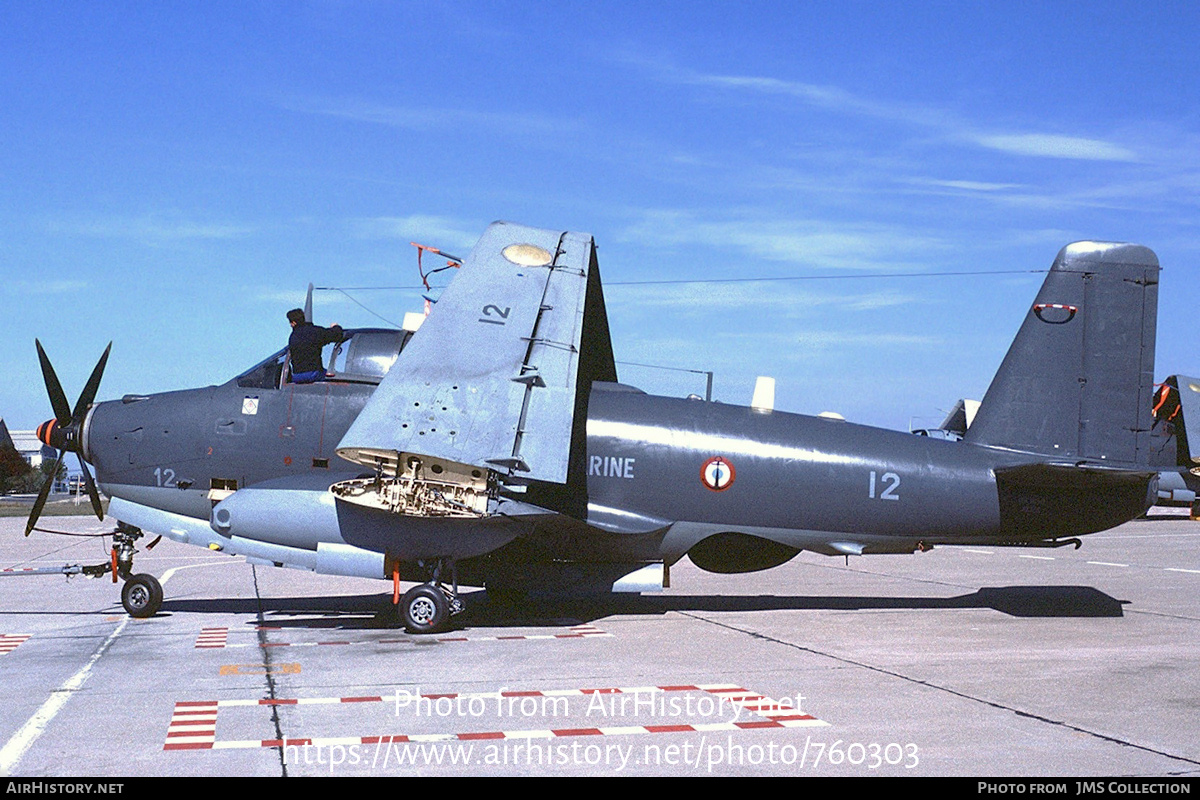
point(50, 433)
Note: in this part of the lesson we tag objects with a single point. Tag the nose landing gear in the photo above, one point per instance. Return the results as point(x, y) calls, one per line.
point(142, 594)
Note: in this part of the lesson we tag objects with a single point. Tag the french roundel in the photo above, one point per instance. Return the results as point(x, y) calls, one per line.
point(717, 474)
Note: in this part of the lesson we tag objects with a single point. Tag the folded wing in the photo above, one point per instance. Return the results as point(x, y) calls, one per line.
point(493, 378)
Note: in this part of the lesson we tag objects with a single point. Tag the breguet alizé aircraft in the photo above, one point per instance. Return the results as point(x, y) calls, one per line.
point(494, 447)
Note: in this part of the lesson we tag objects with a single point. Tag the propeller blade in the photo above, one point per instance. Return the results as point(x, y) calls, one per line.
point(58, 398)
point(308, 304)
point(91, 489)
point(91, 387)
point(43, 494)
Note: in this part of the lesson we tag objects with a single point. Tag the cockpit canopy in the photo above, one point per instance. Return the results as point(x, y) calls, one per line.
point(364, 356)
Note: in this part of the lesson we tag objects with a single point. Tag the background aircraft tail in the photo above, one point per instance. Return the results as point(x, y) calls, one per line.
point(1177, 419)
point(1077, 382)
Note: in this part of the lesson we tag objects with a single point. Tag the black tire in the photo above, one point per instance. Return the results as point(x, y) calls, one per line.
point(142, 596)
point(424, 609)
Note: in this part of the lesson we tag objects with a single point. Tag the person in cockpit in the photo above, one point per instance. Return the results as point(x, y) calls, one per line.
point(305, 344)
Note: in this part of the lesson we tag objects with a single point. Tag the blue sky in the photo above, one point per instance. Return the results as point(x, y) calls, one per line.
point(172, 175)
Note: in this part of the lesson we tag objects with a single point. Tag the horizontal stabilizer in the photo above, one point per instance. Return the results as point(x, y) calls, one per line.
point(1045, 501)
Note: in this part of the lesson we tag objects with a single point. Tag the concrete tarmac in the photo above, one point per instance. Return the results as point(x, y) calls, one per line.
point(961, 661)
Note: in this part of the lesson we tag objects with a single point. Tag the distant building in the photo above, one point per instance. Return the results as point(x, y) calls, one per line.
point(31, 449)
point(27, 444)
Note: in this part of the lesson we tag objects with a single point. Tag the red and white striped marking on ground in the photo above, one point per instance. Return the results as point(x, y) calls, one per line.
point(212, 638)
point(11, 641)
point(193, 725)
point(575, 632)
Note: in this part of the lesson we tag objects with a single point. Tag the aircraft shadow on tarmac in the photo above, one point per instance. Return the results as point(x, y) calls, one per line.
point(376, 612)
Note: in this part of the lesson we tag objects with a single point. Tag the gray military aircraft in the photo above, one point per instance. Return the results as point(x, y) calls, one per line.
point(495, 447)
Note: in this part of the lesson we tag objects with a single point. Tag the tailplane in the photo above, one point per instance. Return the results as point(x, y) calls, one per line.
point(1077, 382)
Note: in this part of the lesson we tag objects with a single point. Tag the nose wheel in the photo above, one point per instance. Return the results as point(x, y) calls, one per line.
point(142, 596)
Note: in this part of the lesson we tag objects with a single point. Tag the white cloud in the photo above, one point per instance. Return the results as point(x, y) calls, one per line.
point(810, 242)
point(834, 98)
point(1045, 145)
point(968, 186)
point(153, 228)
point(720, 299)
point(816, 94)
point(435, 231)
point(841, 339)
point(522, 124)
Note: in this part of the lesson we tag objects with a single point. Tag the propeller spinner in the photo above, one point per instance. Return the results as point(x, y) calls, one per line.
point(63, 433)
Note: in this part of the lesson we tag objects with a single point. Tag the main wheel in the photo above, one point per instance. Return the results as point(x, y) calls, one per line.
point(424, 609)
point(142, 596)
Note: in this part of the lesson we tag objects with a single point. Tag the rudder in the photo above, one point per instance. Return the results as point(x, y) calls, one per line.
point(1078, 380)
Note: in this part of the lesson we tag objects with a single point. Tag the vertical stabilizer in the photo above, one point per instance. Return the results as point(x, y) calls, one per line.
point(1177, 404)
point(1077, 382)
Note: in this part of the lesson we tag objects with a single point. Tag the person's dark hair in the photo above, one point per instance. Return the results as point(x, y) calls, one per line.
point(296, 315)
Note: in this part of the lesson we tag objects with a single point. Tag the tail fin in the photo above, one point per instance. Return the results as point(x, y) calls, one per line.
point(1078, 381)
point(1177, 408)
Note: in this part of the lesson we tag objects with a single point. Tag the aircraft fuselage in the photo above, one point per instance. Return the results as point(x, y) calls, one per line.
point(177, 450)
point(662, 475)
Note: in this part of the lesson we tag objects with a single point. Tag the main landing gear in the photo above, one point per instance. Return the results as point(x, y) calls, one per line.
point(142, 594)
point(428, 607)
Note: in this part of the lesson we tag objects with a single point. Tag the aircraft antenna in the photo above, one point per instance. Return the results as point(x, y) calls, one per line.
point(706, 372)
point(452, 262)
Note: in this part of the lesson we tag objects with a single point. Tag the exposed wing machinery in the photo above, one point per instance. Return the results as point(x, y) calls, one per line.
point(487, 389)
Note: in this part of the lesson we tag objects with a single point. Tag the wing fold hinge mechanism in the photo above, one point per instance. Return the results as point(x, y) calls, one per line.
point(419, 486)
point(512, 464)
point(530, 379)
